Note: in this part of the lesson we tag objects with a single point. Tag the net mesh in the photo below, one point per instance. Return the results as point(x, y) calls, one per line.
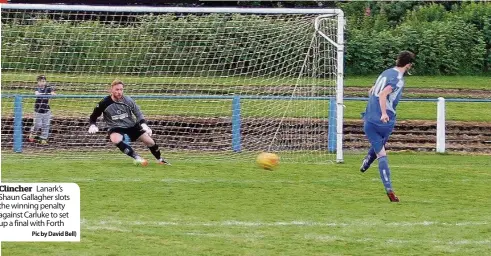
point(227, 85)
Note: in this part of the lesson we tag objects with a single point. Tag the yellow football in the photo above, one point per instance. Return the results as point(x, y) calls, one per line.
point(268, 161)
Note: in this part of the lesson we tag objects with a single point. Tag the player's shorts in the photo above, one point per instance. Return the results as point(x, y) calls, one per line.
point(133, 132)
point(377, 135)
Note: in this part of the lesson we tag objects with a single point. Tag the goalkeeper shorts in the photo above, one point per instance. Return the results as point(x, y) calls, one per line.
point(133, 132)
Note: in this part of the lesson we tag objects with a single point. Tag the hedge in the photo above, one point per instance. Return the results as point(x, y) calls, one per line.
point(446, 43)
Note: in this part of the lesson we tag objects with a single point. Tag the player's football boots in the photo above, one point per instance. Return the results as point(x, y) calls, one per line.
point(162, 161)
point(140, 161)
point(392, 197)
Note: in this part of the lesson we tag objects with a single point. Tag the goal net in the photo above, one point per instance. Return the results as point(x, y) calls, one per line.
point(221, 83)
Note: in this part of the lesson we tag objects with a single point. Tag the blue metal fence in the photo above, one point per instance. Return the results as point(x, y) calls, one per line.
point(236, 111)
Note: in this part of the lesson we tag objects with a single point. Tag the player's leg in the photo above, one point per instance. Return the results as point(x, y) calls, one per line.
point(35, 127)
point(153, 147)
point(383, 163)
point(369, 158)
point(117, 139)
point(46, 123)
point(371, 155)
point(378, 136)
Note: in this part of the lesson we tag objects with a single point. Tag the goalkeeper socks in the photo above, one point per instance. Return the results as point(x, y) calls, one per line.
point(155, 151)
point(383, 167)
point(125, 148)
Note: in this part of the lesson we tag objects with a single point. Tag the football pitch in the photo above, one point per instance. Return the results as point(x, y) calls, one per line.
point(197, 207)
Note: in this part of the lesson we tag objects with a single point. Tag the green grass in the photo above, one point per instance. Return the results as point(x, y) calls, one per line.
point(429, 82)
point(259, 108)
point(442, 82)
point(233, 208)
point(407, 110)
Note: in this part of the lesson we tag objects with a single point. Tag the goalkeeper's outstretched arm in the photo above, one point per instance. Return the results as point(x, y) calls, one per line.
point(96, 113)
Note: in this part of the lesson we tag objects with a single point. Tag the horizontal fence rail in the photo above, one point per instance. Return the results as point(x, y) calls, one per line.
point(236, 112)
point(231, 97)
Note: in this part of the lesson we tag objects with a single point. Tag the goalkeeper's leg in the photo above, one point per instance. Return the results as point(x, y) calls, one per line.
point(153, 147)
point(117, 139)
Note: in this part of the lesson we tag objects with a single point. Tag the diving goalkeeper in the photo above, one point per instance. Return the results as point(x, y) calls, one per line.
point(118, 111)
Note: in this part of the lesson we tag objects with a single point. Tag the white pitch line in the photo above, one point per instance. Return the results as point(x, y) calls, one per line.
point(231, 181)
point(176, 181)
point(114, 225)
point(109, 228)
point(329, 238)
point(237, 223)
point(224, 235)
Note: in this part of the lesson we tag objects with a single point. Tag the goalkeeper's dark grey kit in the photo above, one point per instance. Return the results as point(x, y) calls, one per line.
point(124, 117)
point(118, 114)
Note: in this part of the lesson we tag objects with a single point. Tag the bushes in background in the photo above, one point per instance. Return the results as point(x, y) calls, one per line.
point(448, 39)
point(446, 42)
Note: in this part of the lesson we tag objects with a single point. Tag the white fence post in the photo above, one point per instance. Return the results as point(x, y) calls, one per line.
point(440, 126)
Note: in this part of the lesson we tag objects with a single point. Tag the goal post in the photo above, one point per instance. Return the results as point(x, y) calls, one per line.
point(226, 82)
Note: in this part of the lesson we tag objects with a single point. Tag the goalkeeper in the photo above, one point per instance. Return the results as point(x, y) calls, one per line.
point(118, 111)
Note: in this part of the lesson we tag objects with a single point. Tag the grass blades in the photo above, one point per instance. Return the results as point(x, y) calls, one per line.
point(234, 208)
point(407, 110)
point(441, 82)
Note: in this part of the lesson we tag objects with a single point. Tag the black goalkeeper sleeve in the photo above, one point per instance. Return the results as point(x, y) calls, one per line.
point(99, 109)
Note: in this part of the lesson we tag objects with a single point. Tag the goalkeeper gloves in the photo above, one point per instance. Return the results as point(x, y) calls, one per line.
point(93, 128)
point(146, 129)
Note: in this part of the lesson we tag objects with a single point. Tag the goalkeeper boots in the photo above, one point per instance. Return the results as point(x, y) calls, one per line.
point(140, 161)
point(392, 197)
point(163, 161)
point(43, 141)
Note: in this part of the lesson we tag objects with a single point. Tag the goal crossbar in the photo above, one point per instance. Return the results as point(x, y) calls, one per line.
point(145, 9)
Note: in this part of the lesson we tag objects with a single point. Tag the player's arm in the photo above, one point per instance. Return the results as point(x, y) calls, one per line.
point(140, 118)
point(383, 103)
point(96, 113)
point(139, 115)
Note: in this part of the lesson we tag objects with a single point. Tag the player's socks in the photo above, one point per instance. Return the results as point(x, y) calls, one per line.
point(368, 160)
point(383, 167)
point(127, 149)
point(155, 151)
